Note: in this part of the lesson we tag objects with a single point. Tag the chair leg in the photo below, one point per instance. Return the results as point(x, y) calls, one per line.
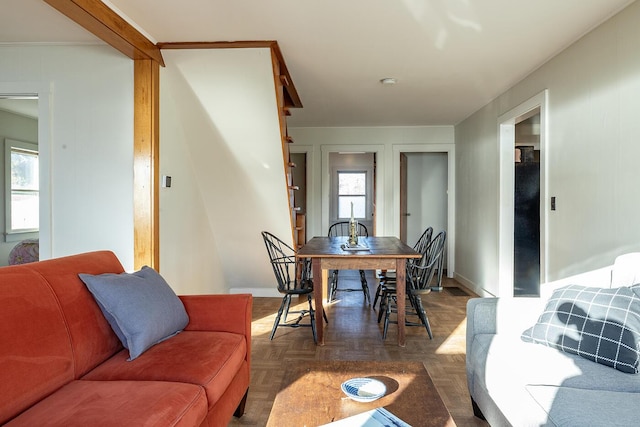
point(387, 315)
point(365, 288)
point(383, 305)
point(286, 308)
point(378, 294)
point(413, 301)
point(333, 285)
point(423, 316)
point(285, 301)
point(312, 317)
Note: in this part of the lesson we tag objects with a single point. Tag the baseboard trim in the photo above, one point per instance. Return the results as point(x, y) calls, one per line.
point(471, 286)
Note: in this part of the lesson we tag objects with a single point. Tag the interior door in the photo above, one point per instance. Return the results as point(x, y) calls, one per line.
point(426, 194)
point(403, 197)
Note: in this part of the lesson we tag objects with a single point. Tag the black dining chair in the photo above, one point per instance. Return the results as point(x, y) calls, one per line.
point(294, 279)
point(419, 283)
point(341, 228)
point(387, 278)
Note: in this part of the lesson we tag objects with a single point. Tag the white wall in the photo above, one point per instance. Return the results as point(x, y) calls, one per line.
point(220, 142)
point(592, 152)
point(85, 133)
point(385, 141)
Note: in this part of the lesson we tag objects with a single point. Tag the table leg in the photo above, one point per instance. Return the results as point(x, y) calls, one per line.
point(320, 288)
point(401, 291)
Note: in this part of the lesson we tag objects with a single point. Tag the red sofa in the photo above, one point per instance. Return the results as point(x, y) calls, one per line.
point(62, 365)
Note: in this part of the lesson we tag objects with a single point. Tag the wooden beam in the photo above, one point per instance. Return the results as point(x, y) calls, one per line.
point(216, 45)
point(104, 23)
point(292, 99)
point(146, 163)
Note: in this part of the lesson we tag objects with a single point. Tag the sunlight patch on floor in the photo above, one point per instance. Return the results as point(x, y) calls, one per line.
point(455, 341)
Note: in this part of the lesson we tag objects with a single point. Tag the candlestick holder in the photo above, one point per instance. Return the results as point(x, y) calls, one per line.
point(353, 232)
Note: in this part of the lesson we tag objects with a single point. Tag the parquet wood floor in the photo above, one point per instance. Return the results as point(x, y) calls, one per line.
point(353, 333)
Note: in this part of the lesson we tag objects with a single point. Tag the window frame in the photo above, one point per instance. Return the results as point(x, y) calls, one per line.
point(11, 234)
point(366, 194)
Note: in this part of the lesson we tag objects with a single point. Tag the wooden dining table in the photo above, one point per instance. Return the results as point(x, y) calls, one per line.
point(383, 253)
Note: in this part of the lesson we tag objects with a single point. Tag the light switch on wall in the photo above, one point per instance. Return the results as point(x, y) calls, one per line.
point(166, 181)
point(553, 203)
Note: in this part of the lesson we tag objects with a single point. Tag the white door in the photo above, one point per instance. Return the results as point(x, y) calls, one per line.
point(427, 199)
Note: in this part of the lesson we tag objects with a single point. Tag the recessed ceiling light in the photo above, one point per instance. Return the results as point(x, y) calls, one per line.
point(388, 81)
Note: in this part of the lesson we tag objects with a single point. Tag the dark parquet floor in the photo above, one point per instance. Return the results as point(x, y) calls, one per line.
point(353, 333)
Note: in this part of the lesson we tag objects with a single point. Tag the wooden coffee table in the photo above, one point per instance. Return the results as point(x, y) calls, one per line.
point(310, 394)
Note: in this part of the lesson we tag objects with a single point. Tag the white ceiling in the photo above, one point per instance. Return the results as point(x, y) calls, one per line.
point(24, 107)
point(450, 57)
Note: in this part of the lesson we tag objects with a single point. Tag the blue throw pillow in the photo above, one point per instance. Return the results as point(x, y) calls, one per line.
point(141, 307)
point(599, 324)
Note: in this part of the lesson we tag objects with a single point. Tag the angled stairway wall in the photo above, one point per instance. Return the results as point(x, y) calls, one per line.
point(220, 141)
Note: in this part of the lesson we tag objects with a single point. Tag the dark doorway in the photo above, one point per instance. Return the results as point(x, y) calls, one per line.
point(526, 280)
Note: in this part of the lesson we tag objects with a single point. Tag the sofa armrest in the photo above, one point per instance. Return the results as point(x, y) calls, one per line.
point(481, 316)
point(502, 315)
point(220, 313)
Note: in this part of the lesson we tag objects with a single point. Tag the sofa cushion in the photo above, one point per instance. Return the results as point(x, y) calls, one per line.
point(599, 324)
point(499, 362)
point(92, 339)
point(36, 357)
point(207, 359)
point(141, 307)
point(568, 406)
point(118, 403)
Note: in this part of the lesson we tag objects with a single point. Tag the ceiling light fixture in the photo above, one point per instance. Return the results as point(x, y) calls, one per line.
point(388, 81)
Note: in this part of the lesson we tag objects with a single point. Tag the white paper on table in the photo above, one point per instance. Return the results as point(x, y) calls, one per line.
point(378, 417)
point(357, 247)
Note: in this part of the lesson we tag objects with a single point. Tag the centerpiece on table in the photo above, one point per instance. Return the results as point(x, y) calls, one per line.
point(352, 242)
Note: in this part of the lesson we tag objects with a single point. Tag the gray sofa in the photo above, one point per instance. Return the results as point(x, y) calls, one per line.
point(518, 383)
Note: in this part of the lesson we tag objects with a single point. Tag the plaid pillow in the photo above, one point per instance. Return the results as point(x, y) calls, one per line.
point(599, 324)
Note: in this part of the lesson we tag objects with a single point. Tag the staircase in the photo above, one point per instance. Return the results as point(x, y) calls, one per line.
point(288, 98)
